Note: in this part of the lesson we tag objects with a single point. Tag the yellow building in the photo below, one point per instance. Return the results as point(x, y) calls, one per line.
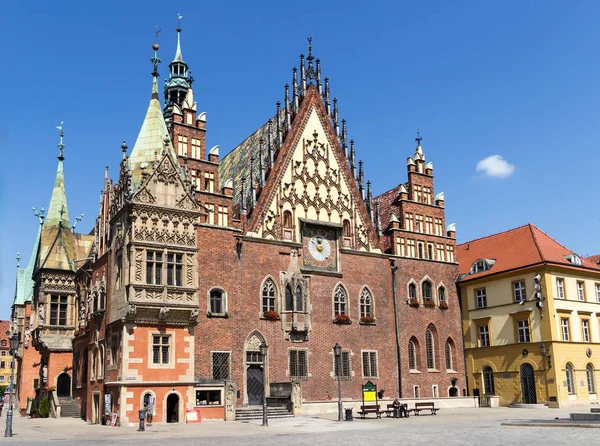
point(531, 319)
point(5, 358)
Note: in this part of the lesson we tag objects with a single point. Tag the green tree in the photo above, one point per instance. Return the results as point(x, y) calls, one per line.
point(44, 407)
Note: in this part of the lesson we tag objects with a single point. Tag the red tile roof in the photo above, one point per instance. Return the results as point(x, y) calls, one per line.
point(594, 259)
point(4, 327)
point(516, 248)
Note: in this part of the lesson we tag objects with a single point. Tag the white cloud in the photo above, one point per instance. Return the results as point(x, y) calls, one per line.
point(495, 167)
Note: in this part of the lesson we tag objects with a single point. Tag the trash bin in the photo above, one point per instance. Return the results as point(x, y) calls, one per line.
point(142, 417)
point(349, 414)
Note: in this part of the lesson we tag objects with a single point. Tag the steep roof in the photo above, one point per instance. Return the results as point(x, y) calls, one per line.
point(236, 164)
point(595, 259)
point(24, 286)
point(4, 327)
point(513, 249)
point(151, 140)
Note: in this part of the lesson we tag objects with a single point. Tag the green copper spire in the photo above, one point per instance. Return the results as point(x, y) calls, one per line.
point(24, 287)
point(58, 213)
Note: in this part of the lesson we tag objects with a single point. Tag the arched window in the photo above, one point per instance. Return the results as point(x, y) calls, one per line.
point(287, 219)
point(346, 230)
point(268, 296)
point(430, 251)
point(488, 381)
point(412, 355)
point(412, 291)
point(570, 379)
point(430, 347)
point(94, 363)
point(95, 301)
point(299, 299)
point(217, 302)
point(442, 294)
point(102, 299)
point(448, 351)
point(289, 299)
point(589, 371)
point(427, 291)
point(366, 303)
point(100, 374)
point(340, 300)
point(420, 250)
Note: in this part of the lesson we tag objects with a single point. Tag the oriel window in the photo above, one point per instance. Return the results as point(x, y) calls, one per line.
point(174, 269)
point(154, 267)
point(58, 310)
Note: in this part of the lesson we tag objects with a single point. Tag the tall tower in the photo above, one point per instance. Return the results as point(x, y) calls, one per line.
point(179, 82)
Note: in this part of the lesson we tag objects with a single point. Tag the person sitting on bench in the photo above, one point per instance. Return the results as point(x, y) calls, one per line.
point(399, 409)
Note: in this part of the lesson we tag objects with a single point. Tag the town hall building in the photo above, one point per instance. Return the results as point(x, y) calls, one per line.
point(209, 282)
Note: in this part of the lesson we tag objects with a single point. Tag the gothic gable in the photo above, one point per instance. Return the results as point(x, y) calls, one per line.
point(311, 180)
point(165, 186)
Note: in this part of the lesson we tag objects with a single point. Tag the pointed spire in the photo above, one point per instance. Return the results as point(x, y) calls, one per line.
point(319, 86)
point(326, 97)
point(18, 259)
point(378, 218)
point(261, 167)
point(302, 76)
point(288, 121)
point(178, 55)
point(58, 213)
point(155, 62)
point(369, 201)
point(252, 188)
point(352, 154)
point(344, 136)
point(295, 89)
point(279, 131)
point(270, 143)
point(361, 179)
point(336, 126)
point(310, 71)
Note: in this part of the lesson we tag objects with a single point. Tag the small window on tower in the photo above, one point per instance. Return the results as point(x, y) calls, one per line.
point(346, 228)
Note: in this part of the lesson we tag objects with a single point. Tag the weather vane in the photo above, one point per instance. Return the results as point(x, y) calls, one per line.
point(418, 138)
point(41, 214)
point(18, 260)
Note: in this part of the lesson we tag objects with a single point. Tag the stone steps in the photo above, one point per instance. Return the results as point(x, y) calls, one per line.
point(69, 408)
point(256, 413)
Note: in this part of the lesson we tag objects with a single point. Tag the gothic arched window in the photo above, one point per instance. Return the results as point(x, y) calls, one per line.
point(430, 347)
point(448, 351)
point(570, 379)
point(268, 295)
point(340, 300)
point(287, 219)
point(589, 371)
point(289, 299)
point(441, 294)
point(366, 303)
point(412, 291)
point(346, 228)
point(427, 291)
point(299, 299)
point(412, 355)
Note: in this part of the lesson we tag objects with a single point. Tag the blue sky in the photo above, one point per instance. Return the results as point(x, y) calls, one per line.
point(511, 80)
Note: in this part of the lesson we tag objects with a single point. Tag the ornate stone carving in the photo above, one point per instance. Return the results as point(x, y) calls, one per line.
point(166, 172)
point(163, 313)
point(194, 314)
point(297, 394)
point(189, 270)
point(186, 202)
point(131, 310)
point(139, 259)
point(253, 344)
point(230, 398)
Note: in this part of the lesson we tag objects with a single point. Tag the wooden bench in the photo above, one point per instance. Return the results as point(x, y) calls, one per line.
point(425, 406)
point(365, 410)
point(390, 410)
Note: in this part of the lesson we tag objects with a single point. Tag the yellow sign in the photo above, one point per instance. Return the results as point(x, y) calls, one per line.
point(369, 396)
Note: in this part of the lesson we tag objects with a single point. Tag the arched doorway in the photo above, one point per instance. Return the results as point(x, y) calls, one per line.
point(173, 408)
point(528, 384)
point(63, 385)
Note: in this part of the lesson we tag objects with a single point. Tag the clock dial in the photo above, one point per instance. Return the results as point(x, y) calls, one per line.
point(319, 248)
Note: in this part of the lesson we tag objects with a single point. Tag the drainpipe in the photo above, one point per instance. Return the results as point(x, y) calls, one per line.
point(393, 268)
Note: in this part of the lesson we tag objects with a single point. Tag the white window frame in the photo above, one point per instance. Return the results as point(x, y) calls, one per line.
point(564, 329)
point(580, 291)
point(224, 303)
point(523, 332)
point(483, 333)
point(597, 292)
point(585, 330)
point(519, 291)
point(560, 288)
point(160, 365)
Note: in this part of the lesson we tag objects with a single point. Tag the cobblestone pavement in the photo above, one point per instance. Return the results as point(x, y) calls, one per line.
point(450, 427)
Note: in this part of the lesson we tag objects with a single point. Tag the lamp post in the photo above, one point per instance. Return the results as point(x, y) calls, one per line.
point(14, 346)
point(264, 348)
point(337, 351)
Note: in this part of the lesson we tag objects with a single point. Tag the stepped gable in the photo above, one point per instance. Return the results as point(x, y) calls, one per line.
point(389, 202)
point(516, 248)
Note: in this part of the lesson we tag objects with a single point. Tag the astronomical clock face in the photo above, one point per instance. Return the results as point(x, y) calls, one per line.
point(319, 248)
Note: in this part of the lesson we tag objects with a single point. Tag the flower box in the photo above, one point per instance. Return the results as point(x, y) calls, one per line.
point(271, 315)
point(342, 319)
point(368, 320)
point(444, 305)
point(429, 303)
point(413, 302)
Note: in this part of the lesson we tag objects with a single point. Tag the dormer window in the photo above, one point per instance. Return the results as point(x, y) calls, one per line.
point(481, 265)
point(574, 259)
